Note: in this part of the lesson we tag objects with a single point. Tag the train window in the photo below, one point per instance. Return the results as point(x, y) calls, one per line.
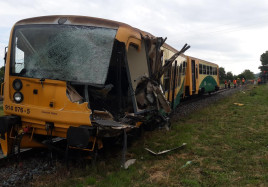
point(162, 56)
point(200, 69)
point(19, 59)
point(177, 75)
point(63, 52)
point(196, 70)
point(204, 69)
point(184, 67)
point(181, 68)
point(166, 80)
point(210, 70)
point(207, 70)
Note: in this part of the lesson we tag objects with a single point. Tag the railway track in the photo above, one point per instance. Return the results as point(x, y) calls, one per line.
point(192, 104)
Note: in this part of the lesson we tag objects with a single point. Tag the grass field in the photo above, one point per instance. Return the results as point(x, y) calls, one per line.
point(227, 145)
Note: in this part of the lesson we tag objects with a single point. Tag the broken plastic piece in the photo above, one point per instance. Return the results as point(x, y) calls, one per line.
point(186, 164)
point(129, 163)
point(166, 151)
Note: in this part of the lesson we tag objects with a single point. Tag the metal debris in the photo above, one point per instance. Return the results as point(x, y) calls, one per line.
point(166, 151)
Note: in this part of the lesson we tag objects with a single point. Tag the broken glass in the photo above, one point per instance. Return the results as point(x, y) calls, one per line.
point(63, 52)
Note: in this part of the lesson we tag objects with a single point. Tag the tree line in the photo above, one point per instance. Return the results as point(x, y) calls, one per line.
point(246, 74)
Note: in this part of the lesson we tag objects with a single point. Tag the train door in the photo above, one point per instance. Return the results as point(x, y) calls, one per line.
point(137, 68)
point(193, 76)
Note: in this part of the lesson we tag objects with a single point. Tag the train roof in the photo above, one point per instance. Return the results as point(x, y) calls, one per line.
point(72, 19)
point(98, 22)
point(89, 21)
point(203, 60)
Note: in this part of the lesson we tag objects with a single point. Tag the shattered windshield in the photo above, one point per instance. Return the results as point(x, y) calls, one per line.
point(61, 52)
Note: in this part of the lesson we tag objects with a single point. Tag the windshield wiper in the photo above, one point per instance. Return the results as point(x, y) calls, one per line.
point(42, 82)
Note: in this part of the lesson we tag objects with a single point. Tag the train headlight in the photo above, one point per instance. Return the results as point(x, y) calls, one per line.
point(18, 97)
point(17, 84)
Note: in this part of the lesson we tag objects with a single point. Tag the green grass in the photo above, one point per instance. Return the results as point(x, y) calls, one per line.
point(226, 143)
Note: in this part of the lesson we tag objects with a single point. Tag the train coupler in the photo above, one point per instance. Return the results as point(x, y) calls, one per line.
point(82, 139)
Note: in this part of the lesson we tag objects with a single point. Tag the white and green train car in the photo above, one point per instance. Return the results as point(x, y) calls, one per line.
point(201, 77)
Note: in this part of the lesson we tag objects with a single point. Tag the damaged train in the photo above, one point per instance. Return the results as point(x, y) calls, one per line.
point(84, 79)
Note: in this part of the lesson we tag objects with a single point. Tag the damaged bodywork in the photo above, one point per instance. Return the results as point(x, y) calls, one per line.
point(82, 75)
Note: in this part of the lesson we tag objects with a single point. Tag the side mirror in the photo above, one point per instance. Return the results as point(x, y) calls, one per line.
point(5, 56)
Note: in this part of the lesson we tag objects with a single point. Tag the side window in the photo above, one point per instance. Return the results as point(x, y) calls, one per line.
point(184, 67)
point(196, 71)
point(207, 70)
point(177, 75)
point(210, 70)
point(204, 69)
point(19, 59)
point(162, 56)
point(181, 68)
point(166, 80)
point(200, 69)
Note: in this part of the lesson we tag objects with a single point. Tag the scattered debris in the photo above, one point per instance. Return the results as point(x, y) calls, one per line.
point(238, 104)
point(129, 163)
point(186, 164)
point(165, 151)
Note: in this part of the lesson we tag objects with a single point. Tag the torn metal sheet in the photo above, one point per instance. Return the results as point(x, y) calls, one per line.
point(102, 115)
point(112, 124)
point(162, 99)
point(165, 151)
point(148, 91)
point(169, 62)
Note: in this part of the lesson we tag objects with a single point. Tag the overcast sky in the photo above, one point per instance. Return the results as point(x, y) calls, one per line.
point(231, 33)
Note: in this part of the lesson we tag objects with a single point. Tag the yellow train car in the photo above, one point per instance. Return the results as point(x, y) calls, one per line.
point(174, 79)
point(83, 79)
point(201, 77)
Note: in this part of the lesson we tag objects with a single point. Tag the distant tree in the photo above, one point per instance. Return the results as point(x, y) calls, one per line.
point(247, 74)
point(229, 75)
point(2, 74)
point(264, 61)
point(222, 74)
point(264, 58)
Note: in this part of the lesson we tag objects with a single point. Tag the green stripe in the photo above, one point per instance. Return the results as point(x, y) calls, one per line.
point(178, 96)
point(208, 83)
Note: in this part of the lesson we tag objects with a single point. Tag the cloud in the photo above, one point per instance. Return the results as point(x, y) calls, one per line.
point(230, 33)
